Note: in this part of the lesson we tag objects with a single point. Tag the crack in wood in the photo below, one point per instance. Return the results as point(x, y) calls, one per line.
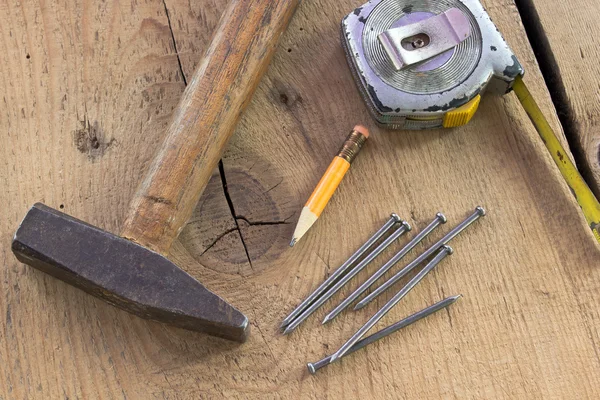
point(221, 169)
point(262, 223)
point(236, 217)
point(328, 272)
point(232, 210)
point(174, 43)
point(221, 236)
point(273, 187)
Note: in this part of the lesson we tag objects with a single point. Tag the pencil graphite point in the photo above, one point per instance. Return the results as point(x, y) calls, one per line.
point(330, 181)
point(306, 220)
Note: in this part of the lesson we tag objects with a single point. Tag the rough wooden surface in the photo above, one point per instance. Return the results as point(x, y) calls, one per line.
point(87, 91)
point(564, 35)
point(212, 104)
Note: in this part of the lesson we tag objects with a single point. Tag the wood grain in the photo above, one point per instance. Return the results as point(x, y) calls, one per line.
point(81, 119)
point(205, 119)
point(563, 36)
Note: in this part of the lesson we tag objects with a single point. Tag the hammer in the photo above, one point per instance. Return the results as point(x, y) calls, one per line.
point(131, 271)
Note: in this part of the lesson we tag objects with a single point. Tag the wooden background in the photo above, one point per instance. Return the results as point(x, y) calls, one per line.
point(567, 47)
point(87, 89)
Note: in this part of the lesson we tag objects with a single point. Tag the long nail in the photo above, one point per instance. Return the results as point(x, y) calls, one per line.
point(405, 227)
point(443, 253)
point(440, 305)
point(439, 219)
point(338, 272)
point(479, 212)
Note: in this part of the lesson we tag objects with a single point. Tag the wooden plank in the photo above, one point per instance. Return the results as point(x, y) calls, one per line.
point(82, 117)
point(563, 39)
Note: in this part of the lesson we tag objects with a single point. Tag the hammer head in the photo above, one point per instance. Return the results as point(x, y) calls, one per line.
point(123, 274)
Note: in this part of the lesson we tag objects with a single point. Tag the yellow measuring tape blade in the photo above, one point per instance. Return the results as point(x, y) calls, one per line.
point(586, 199)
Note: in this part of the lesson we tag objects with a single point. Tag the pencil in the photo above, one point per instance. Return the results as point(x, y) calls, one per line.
point(330, 181)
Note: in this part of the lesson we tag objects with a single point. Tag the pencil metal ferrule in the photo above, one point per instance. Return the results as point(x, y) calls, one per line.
point(351, 147)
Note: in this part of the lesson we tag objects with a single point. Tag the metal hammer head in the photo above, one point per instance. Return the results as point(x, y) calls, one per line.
point(123, 273)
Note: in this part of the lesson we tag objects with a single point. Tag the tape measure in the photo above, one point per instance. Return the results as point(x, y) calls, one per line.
point(423, 64)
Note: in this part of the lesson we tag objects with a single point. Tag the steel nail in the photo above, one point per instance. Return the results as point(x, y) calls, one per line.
point(405, 227)
point(443, 253)
point(329, 281)
point(439, 219)
point(479, 212)
point(440, 305)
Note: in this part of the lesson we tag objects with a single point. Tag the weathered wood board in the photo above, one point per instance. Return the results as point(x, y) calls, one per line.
point(87, 91)
point(564, 34)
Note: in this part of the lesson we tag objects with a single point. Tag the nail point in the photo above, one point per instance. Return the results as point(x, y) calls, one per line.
point(287, 330)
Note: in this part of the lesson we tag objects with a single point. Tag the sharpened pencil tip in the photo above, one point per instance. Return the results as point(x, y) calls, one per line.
point(293, 242)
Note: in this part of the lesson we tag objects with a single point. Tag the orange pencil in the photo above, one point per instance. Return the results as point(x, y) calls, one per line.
point(330, 181)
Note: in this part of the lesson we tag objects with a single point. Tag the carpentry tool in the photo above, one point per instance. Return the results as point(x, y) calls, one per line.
point(405, 227)
point(439, 219)
point(580, 189)
point(384, 230)
point(479, 212)
point(131, 271)
point(330, 181)
point(440, 305)
point(423, 64)
point(442, 253)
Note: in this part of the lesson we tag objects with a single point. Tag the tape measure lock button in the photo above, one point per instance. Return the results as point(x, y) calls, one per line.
point(405, 87)
point(463, 114)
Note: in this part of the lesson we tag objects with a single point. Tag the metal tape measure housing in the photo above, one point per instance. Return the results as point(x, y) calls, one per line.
point(421, 95)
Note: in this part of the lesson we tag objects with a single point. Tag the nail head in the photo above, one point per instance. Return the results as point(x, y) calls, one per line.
point(441, 217)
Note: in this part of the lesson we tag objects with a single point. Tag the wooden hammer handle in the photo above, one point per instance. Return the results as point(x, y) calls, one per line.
point(212, 103)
